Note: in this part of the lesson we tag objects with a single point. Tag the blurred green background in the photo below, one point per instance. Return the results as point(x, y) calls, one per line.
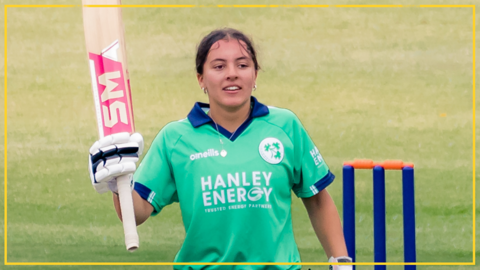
point(377, 83)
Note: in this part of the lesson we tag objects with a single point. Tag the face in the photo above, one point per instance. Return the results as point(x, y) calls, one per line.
point(229, 75)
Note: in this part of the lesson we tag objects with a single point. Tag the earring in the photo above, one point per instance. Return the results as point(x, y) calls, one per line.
point(205, 90)
point(255, 87)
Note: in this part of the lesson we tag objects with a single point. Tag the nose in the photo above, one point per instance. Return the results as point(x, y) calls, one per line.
point(232, 73)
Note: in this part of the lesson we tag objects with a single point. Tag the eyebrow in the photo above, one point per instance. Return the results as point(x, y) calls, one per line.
point(223, 60)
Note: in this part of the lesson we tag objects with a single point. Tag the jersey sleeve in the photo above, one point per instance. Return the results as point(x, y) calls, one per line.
point(311, 173)
point(153, 179)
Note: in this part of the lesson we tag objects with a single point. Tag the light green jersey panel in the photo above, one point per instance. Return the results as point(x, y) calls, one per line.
point(235, 208)
point(156, 171)
point(309, 166)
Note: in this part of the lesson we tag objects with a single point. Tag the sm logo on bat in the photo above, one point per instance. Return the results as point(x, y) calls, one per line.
point(111, 92)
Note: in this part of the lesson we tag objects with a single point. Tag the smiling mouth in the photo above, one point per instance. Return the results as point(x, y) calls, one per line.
point(232, 88)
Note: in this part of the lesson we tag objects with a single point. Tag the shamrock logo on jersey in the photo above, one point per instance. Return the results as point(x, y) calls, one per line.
point(271, 150)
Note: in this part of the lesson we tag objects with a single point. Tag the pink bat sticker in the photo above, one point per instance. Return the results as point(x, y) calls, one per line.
point(111, 93)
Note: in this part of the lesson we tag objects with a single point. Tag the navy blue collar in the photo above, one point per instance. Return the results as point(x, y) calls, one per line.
point(198, 117)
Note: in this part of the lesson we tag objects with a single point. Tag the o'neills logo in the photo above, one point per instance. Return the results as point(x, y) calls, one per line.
point(208, 153)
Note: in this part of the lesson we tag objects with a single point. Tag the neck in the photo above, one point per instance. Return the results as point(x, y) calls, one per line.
point(230, 119)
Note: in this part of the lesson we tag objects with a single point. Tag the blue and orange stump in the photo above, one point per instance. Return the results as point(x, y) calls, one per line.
point(379, 212)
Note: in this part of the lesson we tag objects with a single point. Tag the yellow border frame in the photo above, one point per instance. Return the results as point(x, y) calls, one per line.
point(230, 6)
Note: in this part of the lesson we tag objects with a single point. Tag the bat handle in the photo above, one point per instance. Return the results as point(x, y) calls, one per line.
point(128, 215)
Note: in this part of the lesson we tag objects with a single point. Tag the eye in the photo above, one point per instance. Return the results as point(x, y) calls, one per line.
point(242, 65)
point(218, 67)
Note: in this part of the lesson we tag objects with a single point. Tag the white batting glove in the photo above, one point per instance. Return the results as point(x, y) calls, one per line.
point(113, 156)
point(343, 259)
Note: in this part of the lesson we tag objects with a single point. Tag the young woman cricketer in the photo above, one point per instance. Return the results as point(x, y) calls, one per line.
point(232, 164)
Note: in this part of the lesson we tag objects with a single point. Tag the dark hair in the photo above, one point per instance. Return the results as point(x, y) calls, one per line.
point(216, 35)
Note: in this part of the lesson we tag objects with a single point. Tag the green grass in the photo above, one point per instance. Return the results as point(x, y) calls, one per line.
point(366, 83)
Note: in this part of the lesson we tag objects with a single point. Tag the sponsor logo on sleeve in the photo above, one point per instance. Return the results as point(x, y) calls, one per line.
point(271, 150)
point(317, 158)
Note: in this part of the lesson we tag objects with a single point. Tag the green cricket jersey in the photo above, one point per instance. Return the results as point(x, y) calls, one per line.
point(235, 208)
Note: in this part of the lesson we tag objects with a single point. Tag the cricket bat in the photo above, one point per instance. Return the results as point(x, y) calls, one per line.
point(105, 40)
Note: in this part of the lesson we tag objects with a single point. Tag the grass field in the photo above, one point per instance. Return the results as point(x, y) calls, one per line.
point(378, 83)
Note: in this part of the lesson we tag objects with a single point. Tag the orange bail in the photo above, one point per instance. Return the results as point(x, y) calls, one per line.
point(360, 164)
point(392, 164)
point(369, 164)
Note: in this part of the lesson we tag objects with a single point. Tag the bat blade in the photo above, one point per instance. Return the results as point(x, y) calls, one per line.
point(105, 41)
point(104, 35)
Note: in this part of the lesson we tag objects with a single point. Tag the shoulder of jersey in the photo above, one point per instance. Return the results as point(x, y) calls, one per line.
point(177, 128)
point(180, 125)
point(280, 115)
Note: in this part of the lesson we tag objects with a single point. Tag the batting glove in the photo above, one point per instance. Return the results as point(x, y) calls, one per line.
point(113, 156)
point(343, 259)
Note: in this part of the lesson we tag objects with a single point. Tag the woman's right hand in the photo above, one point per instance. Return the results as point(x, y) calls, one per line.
point(113, 156)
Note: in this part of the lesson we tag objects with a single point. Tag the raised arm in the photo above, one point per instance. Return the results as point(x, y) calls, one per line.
point(114, 156)
point(142, 208)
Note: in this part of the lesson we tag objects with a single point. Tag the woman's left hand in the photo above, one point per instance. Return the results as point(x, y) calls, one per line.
point(343, 259)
